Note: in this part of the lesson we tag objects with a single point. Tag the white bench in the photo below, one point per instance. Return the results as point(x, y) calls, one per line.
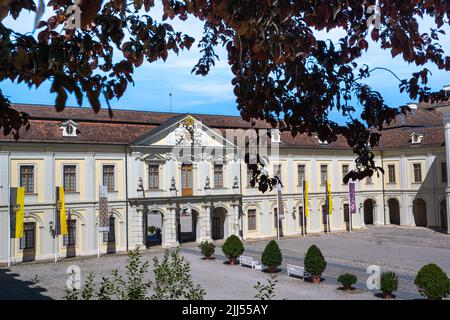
point(293, 270)
point(249, 262)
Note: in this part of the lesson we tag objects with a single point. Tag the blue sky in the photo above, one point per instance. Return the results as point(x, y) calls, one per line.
point(214, 93)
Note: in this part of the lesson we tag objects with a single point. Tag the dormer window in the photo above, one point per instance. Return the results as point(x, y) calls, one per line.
point(416, 138)
point(69, 128)
point(275, 135)
point(324, 142)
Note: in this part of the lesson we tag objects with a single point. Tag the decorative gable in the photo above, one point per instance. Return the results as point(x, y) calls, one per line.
point(69, 128)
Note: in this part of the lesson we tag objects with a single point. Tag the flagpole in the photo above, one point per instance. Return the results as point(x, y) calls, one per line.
point(278, 212)
point(9, 227)
point(98, 241)
point(55, 239)
point(303, 222)
point(98, 223)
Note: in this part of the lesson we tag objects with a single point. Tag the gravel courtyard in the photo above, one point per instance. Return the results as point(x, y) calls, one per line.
point(403, 250)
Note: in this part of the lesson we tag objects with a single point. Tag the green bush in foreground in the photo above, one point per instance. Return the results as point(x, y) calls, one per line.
point(432, 282)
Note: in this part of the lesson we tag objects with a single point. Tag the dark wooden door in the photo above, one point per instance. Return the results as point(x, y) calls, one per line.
point(186, 180)
point(216, 234)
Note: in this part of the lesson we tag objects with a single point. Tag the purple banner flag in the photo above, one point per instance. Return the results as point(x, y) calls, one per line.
point(103, 210)
point(351, 187)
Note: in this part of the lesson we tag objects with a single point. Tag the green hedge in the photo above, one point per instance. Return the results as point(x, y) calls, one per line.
point(432, 282)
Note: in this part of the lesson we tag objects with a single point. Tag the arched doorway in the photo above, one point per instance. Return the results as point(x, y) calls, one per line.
point(154, 228)
point(443, 210)
point(219, 229)
point(394, 211)
point(187, 225)
point(420, 212)
point(369, 205)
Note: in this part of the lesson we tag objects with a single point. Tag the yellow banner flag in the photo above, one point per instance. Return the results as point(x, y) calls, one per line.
point(20, 212)
point(305, 198)
point(329, 199)
point(62, 212)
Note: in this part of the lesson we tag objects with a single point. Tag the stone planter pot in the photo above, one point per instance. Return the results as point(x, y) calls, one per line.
point(347, 287)
point(272, 269)
point(315, 279)
point(232, 261)
point(387, 295)
point(207, 257)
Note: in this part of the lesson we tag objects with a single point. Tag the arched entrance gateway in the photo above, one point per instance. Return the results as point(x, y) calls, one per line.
point(420, 212)
point(394, 211)
point(369, 206)
point(219, 223)
point(153, 228)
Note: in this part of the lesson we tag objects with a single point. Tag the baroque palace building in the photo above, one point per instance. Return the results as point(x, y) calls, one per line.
point(207, 194)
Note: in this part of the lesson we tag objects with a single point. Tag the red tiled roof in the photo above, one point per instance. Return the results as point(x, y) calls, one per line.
point(127, 126)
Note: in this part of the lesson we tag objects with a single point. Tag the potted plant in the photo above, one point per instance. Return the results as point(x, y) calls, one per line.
point(207, 248)
point(233, 248)
point(347, 280)
point(271, 256)
point(432, 282)
point(315, 263)
point(388, 284)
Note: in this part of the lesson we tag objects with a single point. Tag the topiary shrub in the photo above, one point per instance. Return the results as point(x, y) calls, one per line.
point(233, 248)
point(432, 282)
point(347, 280)
point(271, 256)
point(315, 263)
point(207, 248)
point(388, 283)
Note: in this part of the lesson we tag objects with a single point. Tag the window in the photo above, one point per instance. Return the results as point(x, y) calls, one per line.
point(110, 236)
point(251, 216)
point(277, 171)
point(108, 177)
point(300, 216)
point(29, 236)
point(391, 173)
point(301, 174)
point(345, 169)
point(70, 238)
point(417, 172)
point(369, 180)
point(444, 171)
point(218, 176)
point(70, 178)
point(275, 216)
point(323, 174)
point(249, 177)
point(153, 176)
point(27, 178)
point(346, 212)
